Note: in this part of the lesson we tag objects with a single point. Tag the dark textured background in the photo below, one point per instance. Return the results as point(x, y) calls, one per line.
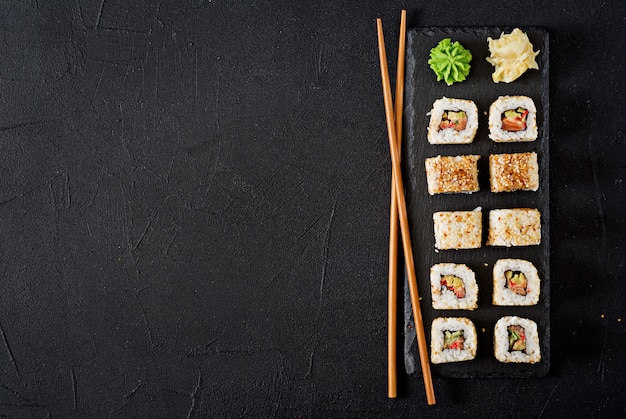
point(194, 200)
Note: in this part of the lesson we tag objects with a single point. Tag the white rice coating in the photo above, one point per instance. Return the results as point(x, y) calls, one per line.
point(514, 227)
point(512, 172)
point(458, 229)
point(502, 295)
point(532, 353)
point(438, 355)
point(452, 174)
point(503, 103)
point(445, 299)
point(450, 135)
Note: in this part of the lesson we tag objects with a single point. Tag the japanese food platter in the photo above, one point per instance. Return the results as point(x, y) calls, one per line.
point(488, 233)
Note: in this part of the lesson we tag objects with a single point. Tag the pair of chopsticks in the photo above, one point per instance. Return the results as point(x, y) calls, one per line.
point(398, 212)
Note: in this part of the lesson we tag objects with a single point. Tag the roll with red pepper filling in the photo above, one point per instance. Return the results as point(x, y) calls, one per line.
point(513, 119)
point(452, 121)
point(453, 287)
point(516, 340)
point(453, 339)
point(515, 283)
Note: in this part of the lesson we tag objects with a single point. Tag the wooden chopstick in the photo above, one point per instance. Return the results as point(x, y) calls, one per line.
point(392, 303)
point(404, 221)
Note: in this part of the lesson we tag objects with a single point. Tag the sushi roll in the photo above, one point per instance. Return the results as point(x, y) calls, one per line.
point(452, 174)
point(458, 229)
point(514, 227)
point(515, 283)
point(452, 339)
point(453, 287)
point(513, 119)
point(452, 121)
point(513, 172)
point(516, 340)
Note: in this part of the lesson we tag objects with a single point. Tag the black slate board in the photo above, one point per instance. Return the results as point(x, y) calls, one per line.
point(421, 90)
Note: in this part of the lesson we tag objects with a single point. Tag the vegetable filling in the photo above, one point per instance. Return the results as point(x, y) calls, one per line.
point(517, 338)
point(454, 284)
point(516, 281)
point(453, 340)
point(514, 119)
point(453, 119)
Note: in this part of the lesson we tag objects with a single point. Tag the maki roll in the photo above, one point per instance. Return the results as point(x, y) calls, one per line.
point(513, 172)
point(452, 339)
point(513, 119)
point(516, 340)
point(452, 174)
point(515, 283)
point(514, 227)
point(458, 229)
point(452, 121)
point(453, 287)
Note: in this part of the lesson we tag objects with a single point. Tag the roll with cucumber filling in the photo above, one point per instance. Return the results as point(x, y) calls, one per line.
point(516, 340)
point(453, 339)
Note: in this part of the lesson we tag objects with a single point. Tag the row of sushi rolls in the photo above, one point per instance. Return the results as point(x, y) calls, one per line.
point(515, 281)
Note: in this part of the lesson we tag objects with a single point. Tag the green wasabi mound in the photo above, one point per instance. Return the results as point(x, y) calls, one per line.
point(450, 61)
